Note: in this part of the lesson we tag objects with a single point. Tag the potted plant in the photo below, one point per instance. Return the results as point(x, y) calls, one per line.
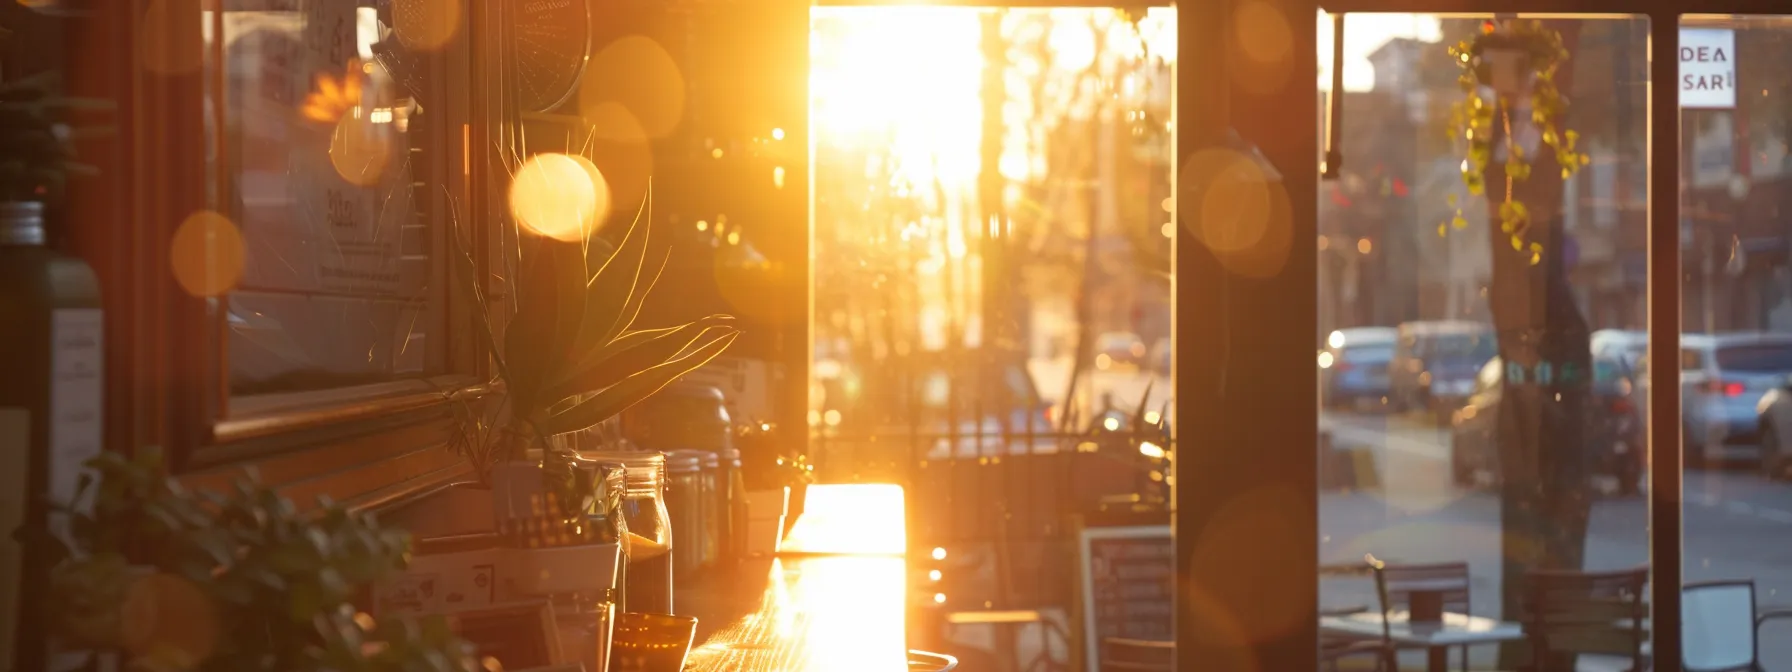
point(242, 580)
point(36, 155)
point(572, 356)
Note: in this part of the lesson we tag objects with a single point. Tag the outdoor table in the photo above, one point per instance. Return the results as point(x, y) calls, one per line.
point(1435, 637)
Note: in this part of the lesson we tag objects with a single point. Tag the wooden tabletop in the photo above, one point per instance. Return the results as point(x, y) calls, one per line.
point(839, 602)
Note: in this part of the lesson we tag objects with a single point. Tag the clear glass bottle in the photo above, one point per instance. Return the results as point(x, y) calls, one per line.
point(647, 568)
point(51, 418)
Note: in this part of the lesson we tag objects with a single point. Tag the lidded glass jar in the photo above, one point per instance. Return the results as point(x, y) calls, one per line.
point(684, 470)
point(647, 570)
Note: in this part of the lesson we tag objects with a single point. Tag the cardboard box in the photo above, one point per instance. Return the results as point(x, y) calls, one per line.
point(441, 583)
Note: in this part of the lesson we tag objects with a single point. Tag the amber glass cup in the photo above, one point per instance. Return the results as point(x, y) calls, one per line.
point(651, 642)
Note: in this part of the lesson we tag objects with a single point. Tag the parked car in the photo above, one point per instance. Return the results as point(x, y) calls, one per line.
point(1353, 367)
point(1119, 349)
point(1723, 379)
point(1435, 364)
point(1625, 346)
point(1614, 434)
point(1775, 413)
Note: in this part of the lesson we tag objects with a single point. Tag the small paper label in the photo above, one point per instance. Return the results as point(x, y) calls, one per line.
point(76, 421)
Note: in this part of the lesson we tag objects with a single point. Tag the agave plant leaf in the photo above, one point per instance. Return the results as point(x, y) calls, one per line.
point(617, 398)
point(612, 288)
point(569, 274)
point(529, 338)
point(639, 351)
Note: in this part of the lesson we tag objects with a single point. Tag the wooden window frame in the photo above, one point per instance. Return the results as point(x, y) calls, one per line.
point(167, 379)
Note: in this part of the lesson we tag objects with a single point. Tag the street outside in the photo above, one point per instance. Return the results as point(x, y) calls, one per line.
point(1737, 524)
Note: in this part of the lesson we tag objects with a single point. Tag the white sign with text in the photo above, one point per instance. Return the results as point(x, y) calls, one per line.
point(1708, 68)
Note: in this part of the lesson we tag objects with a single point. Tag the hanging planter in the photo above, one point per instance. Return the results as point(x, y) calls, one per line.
point(1507, 71)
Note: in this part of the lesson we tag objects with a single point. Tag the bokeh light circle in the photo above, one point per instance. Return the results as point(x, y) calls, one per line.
point(1241, 213)
point(637, 73)
point(425, 25)
point(1263, 34)
point(360, 150)
point(167, 619)
point(207, 254)
point(558, 196)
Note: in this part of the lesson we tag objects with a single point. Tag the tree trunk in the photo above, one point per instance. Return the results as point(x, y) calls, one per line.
point(1545, 496)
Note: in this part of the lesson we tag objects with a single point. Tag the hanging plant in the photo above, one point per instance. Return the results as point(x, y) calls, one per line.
point(1518, 61)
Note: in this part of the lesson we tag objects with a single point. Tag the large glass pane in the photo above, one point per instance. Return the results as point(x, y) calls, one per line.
point(316, 199)
point(1481, 288)
point(992, 300)
point(1736, 301)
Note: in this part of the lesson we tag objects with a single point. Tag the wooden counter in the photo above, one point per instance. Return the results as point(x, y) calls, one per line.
point(835, 600)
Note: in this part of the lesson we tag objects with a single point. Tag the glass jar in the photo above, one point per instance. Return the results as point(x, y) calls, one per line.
point(684, 472)
point(733, 523)
point(647, 567)
point(712, 508)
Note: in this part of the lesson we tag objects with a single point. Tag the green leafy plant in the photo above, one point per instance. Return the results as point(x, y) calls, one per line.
point(1473, 118)
point(36, 150)
point(255, 583)
point(572, 355)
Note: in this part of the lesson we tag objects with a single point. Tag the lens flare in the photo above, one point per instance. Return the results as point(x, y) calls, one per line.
point(425, 25)
point(559, 196)
point(638, 74)
point(206, 254)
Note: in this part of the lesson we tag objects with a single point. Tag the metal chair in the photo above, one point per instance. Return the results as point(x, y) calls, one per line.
point(1568, 612)
point(1720, 631)
point(1396, 585)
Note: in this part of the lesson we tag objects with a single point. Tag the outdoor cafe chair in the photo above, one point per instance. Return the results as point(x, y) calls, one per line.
point(1719, 627)
point(1572, 612)
point(1396, 585)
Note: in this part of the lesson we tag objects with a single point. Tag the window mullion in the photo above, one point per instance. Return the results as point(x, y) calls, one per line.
point(1665, 459)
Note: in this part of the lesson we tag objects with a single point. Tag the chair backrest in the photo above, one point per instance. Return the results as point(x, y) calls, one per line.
point(1139, 655)
point(923, 661)
point(1717, 621)
point(1448, 579)
point(1586, 612)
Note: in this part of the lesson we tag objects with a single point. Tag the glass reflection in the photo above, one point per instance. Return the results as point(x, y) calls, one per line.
point(1481, 272)
point(319, 118)
point(1736, 340)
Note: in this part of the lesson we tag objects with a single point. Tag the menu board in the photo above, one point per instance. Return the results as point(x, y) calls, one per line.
point(1128, 585)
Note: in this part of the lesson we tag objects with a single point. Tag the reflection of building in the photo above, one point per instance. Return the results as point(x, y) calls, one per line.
point(1733, 232)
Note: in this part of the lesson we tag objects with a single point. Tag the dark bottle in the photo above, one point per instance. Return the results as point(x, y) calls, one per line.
point(50, 412)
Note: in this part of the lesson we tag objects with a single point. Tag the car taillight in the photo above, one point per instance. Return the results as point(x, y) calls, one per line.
point(1341, 367)
point(1723, 388)
point(1621, 406)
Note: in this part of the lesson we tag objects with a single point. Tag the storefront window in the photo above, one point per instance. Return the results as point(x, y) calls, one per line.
point(1504, 438)
point(316, 110)
point(1736, 312)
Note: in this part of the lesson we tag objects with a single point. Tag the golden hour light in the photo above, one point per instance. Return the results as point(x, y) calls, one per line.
point(894, 335)
point(559, 196)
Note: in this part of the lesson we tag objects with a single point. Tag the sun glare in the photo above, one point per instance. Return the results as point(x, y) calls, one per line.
point(905, 77)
